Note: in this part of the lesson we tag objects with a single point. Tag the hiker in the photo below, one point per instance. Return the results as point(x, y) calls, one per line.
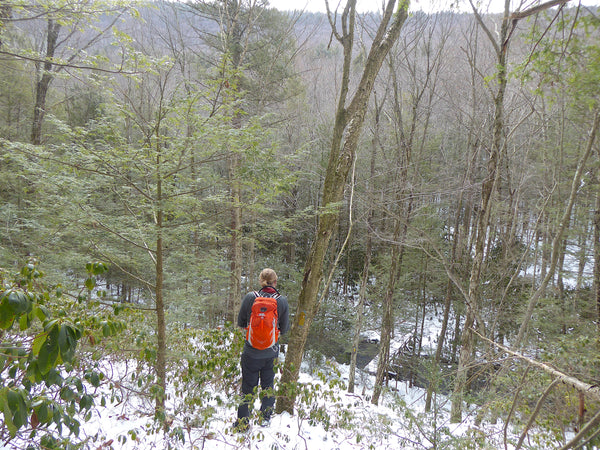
point(261, 347)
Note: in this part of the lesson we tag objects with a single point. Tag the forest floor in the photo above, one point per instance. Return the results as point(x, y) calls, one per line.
point(337, 420)
point(327, 418)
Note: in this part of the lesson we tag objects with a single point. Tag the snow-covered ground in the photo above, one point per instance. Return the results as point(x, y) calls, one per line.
point(327, 416)
point(339, 420)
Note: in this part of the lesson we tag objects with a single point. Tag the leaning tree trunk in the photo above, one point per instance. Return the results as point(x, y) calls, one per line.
point(556, 242)
point(347, 129)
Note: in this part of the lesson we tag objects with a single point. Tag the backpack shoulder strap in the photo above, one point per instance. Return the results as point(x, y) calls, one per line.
point(266, 294)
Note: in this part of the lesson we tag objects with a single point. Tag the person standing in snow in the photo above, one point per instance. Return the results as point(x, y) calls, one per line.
point(258, 364)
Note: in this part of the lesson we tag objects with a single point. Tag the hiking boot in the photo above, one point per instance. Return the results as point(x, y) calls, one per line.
point(264, 421)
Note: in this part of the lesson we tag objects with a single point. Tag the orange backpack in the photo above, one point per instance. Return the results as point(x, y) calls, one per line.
point(263, 330)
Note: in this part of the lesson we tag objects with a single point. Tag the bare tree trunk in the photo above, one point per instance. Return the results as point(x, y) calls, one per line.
point(591, 390)
point(291, 207)
point(364, 279)
point(235, 286)
point(5, 13)
point(417, 348)
point(556, 243)
point(161, 326)
point(251, 274)
point(387, 321)
point(597, 257)
point(235, 30)
point(560, 284)
point(456, 240)
point(447, 305)
point(483, 217)
point(41, 87)
point(347, 129)
point(582, 241)
point(360, 308)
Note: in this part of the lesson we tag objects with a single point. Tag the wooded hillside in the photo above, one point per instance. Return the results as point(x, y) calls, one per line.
point(182, 147)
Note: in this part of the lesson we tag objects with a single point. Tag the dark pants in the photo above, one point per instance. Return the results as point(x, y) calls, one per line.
point(252, 370)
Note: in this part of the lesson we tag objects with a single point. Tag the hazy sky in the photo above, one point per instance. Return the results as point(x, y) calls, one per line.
point(426, 5)
point(363, 5)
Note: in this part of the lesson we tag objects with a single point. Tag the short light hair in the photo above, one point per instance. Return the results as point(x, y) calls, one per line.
point(267, 277)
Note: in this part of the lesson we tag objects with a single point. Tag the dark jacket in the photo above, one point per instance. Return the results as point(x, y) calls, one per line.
point(283, 314)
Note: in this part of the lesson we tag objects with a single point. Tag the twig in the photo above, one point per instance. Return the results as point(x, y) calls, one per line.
point(513, 407)
point(592, 391)
point(537, 409)
point(536, 9)
point(589, 426)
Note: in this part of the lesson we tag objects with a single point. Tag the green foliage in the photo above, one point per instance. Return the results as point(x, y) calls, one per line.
point(315, 401)
point(207, 364)
point(14, 94)
point(570, 65)
point(42, 387)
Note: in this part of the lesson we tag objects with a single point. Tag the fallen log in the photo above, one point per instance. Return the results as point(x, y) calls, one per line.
point(590, 390)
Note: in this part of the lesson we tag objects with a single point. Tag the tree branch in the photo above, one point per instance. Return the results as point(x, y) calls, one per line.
point(68, 65)
point(589, 426)
point(593, 391)
point(556, 243)
point(518, 15)
point(537, 409)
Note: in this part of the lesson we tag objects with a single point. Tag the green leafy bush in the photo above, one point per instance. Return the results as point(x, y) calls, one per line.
point(44, 388)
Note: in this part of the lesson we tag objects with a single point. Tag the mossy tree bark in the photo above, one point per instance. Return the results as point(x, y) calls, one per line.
point(347, 129)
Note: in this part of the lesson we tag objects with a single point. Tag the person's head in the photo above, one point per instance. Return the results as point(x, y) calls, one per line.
point(267, 277)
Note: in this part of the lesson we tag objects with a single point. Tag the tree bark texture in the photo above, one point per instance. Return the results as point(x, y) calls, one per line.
point(597, 258)
point(235, 31)
point(483, 217)
point(364, 280)
point(41, 88)
point(346, 132)
point(161, 325)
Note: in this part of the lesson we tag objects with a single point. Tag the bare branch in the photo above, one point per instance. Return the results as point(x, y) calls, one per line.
point(125, 271)
point(593, 391)
point(485, 27)
point(68, 65)
point(589, 426)
point(517, 15)
point(537, 409)
point(556, 243)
